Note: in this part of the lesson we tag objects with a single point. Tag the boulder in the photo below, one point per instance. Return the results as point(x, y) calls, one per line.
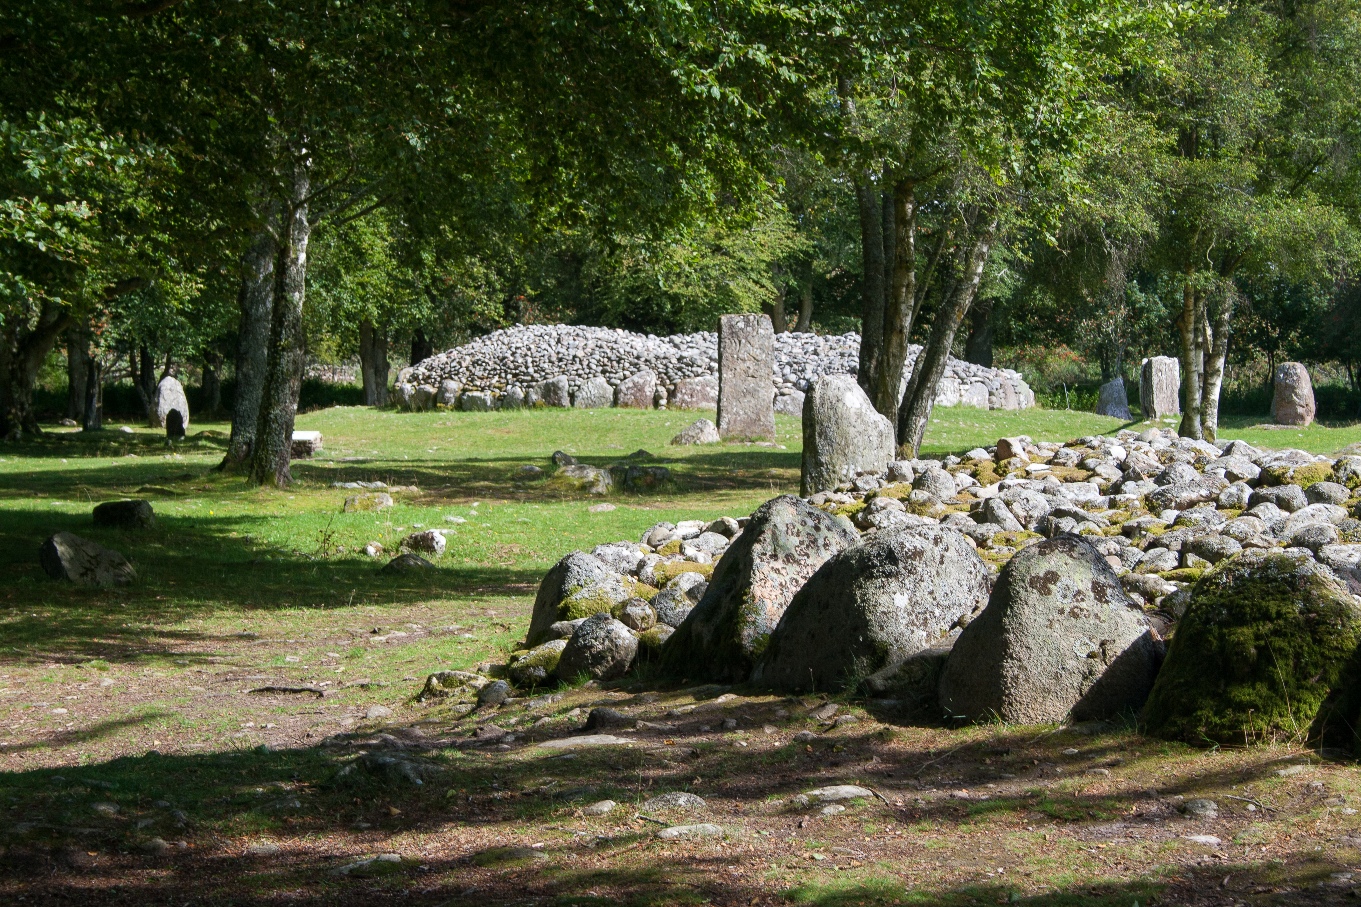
point(790, 403)
point(679, 597)
point(1058, 639)
point(513, 398)
point(448, 393)
point(429, 541)
point(746, 390)
point(583, 478)
point(1160, 387)
point(593, 394)
point(843, 435)
point(170, 398)
point(694, 393)
point(553, 392)
point(423, 398)
point(475, 402)
point(873, 605)
point(785, 541)
point(1292, 403)
point(68, 556)
point(637, 391)
point(701, 431)
point(538, 664)
point(602, 648)
point(369, 502)
point(124, 515)
point(407, 563)
point(573, 573)
point(304, 445)
point(1264, 639)
point(1112, 400)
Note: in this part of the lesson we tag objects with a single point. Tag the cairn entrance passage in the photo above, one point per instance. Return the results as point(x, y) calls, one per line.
point(552, 365)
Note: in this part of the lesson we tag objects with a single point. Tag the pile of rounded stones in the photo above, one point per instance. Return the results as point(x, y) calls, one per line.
point(589, 367)
point(1207, 588)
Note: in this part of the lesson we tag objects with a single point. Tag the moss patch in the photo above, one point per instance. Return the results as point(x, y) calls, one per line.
point(1263, 641)
point(670, 549)
point(666, 572)
point(1183, 574)
point(849, 510)
point(1303, 476)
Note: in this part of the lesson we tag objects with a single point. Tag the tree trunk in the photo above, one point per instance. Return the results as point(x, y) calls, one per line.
point(805, 322)
point(287, 344)
point(212, 385)
point(898, 307)
point(871, 285)
point(373, 363)
point(145, 380)
point(779, 319)
point(93, 405)
point(915, 412)
point(255, 299)
point(978, 345)
point(1188, 329)
point(421, 347)
point(22, 352)
point(1217, 353)
point(77, 369)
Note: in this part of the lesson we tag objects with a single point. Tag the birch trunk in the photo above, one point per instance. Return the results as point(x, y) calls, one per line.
point(1188, 329)
point(1217, 354)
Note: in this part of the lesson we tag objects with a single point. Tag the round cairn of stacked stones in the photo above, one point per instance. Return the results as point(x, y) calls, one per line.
point(505, 365)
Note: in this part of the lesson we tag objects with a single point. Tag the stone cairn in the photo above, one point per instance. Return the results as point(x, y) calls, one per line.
point(559, 365)
point(1027, 582)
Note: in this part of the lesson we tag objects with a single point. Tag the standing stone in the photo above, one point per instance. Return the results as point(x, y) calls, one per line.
point(1160, 387)
point(843, 435)
point(594, 394)
point(1059, 637)
point(305, 444)
point(873, 605)
point(170, 398)
point(746, 392)
point(1293, 402)
point(694, 393)
point(784, 543)
point(637, 390)
point(1113, 401)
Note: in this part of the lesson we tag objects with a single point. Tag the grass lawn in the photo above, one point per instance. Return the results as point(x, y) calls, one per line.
point(137, 766)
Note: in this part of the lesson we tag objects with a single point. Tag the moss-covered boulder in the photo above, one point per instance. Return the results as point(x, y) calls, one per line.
point(537, 665)
point(1264, 639)
point(568, 576)
point(784, 543)
point(873, 605)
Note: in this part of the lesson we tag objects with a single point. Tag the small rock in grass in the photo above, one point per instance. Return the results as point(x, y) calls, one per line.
point(378, 711)
point(601, 808)
point(407, 563)
point(703, 830)
point(370, 867)
point(601, 508)
point(839, 792)
point(604, 717)
point(124, 515)
point(1200, 808)
point(374, 549)
point(83, 562)
point(1207, 840)
point(682, 801)
point(368, 503)
point(835, 809)
point(493, 694)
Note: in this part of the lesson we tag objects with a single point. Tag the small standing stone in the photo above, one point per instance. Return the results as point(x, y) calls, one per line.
point(843, 435)
point(1293, 402)
point(1113, 401)
point(1159, 387)
point(170, 398)
point(746, 391)
point(637, 390)
point(694, 393)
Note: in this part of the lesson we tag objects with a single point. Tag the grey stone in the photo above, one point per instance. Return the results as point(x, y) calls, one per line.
point(1058, 638)
point(407, 563)
point(124, 515)
point(539, 663)
point(936, 482)
point(637, 615)
point(513, 398)
point(568, 576)
point(872, 605)
point(448, 393)
point(170, 398)
point(1292, 403)
point(676, 801)
point(1200, 808)
point(996, 512)
point(602, 648)
point(553, 392)
point(637, 390)
point(1236, 469)
point(1313, 536)
point(563, 629)
point(429, 541)
point(1160, 387)
point(368, 502)
point(583, 478)
point(475, 402)
point(1327, 493)
point(1236, 496)
point(603, 717)
point(1212, 547)
point(683, 832)
point(1287, 497)
point(701, 431)
point(593, 394)
point(620, 557)
point(493, 694)
point(1184, 495)
point(304, 444)
point(838, 792)
point(599, 808)
point(790, 404)
point(746, 392)
point(785, 541)
point(68, 556)
point(1112, 400)
point(843, 435)
point(694, 393)
point(676, 600)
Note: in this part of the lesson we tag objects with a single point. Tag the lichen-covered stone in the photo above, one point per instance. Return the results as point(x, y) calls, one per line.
point(1264, 638)
point(538, 664)
point(1058, 638)
point(369, 502)
point(843, 435)
point(873, 605)
point(603, 595)
point(602, 648)
point(569, 575)
point(785, 542)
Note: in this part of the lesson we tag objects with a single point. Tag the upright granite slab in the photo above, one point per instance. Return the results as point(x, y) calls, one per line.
point(1292, 403)
point(170, 398)
point(843, 435)
point(1160, 387)
point(746, 389)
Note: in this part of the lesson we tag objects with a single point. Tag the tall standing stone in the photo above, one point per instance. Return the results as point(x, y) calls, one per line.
point(1160, 387)
point(1113, 401)
point(746, 390)
point(843, 435)
point(170, 398)
point(1293, 402)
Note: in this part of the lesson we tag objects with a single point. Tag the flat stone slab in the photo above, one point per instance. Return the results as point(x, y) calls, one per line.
point(567, 743)
point(839, 792)
point(680, 832)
